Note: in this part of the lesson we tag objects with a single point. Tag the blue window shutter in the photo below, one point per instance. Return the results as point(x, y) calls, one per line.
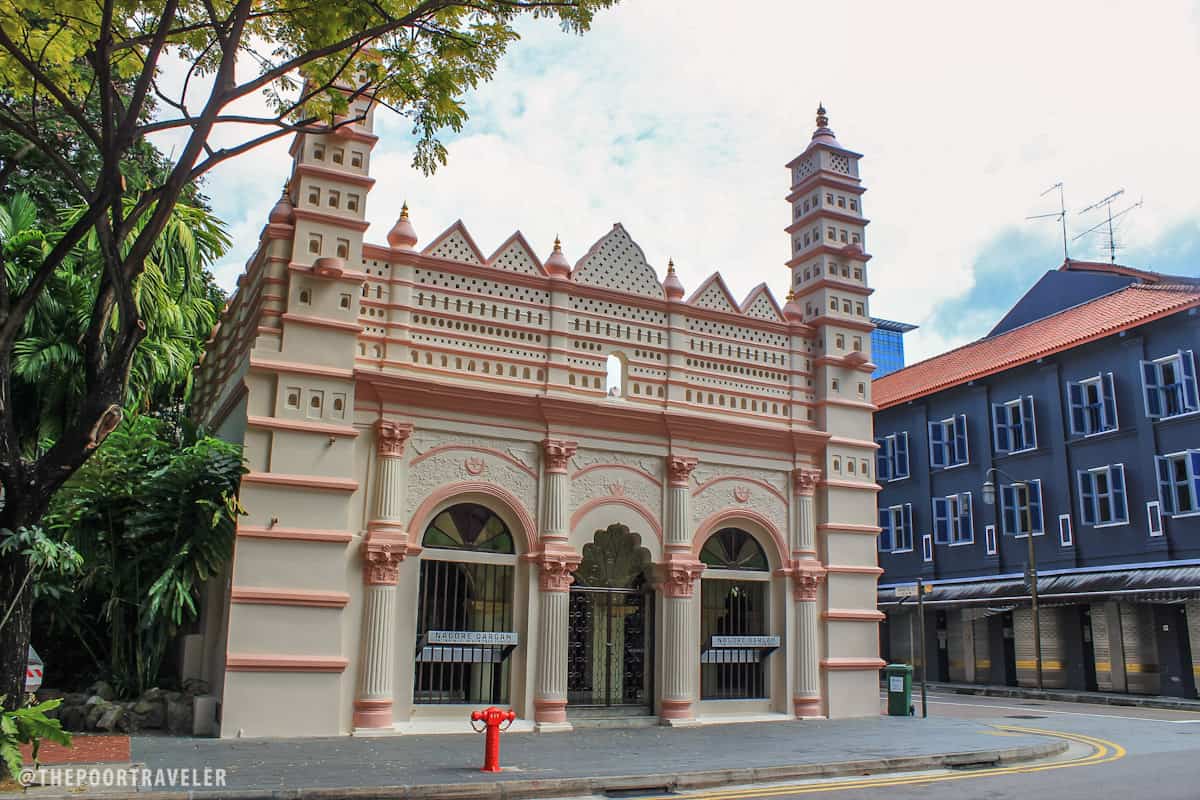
point(1028, 421)
point(1087, 498)
point(1000, 428)
point(961, 454)
point(941, 521)
point(1166, 487)
point(1035, 507)
point(937, 450)
point(1194, 474)
point(1116, 483)
point(883, 460)
point(1191, 401)
point(1075, 400)
point(901, 467)
point(885, 533)
point(1008, 509)
point(908, 525)
point(1150, 395)
point(1110, 402)
point(966, 524)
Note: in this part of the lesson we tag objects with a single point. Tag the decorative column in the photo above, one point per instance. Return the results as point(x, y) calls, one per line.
point(385, 547)
point(807, 574)
point(679, 572)
point(556, 562)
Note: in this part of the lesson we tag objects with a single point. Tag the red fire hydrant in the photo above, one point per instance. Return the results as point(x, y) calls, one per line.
point(494, 720)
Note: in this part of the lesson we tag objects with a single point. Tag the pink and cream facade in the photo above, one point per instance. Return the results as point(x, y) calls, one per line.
point(567, 489)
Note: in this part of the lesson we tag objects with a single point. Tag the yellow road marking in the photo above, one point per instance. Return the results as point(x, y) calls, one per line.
point(1103, 752)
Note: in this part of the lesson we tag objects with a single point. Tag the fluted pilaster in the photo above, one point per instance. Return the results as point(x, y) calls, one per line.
point(804, 521)
point(556, 562)
point(557, 504)
point(680, 571)
point(806, 580)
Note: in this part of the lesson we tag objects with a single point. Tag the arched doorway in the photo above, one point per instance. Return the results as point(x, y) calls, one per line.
point(465, 608)
point(733, 611)
point(611, 630)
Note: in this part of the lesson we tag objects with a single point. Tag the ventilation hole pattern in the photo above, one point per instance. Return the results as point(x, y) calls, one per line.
point(616, 262)
point(761, 308)
point(802, 170)
point(714, 299)
point(839, 163)
point(481, 288)
point(515, 258)
point(455, 248)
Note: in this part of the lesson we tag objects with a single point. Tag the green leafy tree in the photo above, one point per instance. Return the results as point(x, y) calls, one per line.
point(312, 62)
point(153, 513)
point(28, 726)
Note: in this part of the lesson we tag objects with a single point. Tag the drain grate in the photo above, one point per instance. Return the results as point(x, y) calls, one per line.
point(1025, 716)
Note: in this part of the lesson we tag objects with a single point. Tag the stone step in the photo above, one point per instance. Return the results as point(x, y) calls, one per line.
point(613, 722)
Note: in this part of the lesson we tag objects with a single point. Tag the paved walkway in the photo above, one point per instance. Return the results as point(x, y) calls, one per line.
point(1066, 695)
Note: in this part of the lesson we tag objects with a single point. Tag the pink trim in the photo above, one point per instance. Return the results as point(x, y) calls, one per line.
point(718, 520)
point(372, 714)
point(676, 709)
point(762, 289)
point(617, 500)
point(853, 615)
point(854, 442)
point(301, 369)
point(846, 527)
point(709, 281)
point(550, 710)
point(294, 534)
point(491, 451)
point(865, 487)
point(519, 238)
point(461, 228)
point(336, 220)
point(246, 662)
point(288, 597)
point(851, 664)
point(807, 706)
point(300, 425)
point(340, 273)
point(322, 322)
point(424, 513)
point(634, 470)
point(334, 175)
point(699, 489)
point(842, 569)
point(301, 481)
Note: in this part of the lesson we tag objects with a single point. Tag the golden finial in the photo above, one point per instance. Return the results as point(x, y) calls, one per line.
point(404, 210)
point(670, 266)
point(822, 118)
point(791, 295)
point(557, 244)
point(287, 185)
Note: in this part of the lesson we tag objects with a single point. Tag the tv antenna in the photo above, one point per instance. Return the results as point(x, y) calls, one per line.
point(1060, 215)
point(1108, 223)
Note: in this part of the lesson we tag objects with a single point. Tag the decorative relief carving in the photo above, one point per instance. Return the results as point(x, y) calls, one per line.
point(391, 437)
point(718, 497)
point(741, 494)
point(806, 580)
point(452, 465)
point(679, 469)
point(381, 562)
point(617, 483)
point(555, 567)
point(679, 574)
point(806, 480)
point(776, 479)
point(558, 453)
point(474, 465)
point(590, 458)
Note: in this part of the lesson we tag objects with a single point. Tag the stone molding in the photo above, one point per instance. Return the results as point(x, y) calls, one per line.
point(391, 438)
point(806, 480)
point(382, 554)
point(558, 454)
point(679, 470)
point(679, 573)
point(806, 580)
point(555, 565)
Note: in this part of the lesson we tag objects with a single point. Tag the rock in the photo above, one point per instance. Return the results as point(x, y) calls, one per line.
point(195, 686)
point(102, 689)
point(73, 717)
point(95, 711)
point(153, 694)
point(111, 717)
point(50, 694)
point(148, 714)
point(179, 717)
point(75, 699)
point(173, 697)
point(93, 700)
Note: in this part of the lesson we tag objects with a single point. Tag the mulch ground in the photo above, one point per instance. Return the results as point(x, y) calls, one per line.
point(84, 749)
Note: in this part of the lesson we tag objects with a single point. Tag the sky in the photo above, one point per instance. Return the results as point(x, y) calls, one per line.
point(676, 117)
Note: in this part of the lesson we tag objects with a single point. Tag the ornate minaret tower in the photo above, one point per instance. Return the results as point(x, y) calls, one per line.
point(829, 264)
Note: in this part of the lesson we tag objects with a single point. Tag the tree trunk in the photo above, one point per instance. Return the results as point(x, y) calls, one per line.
point(19, 511)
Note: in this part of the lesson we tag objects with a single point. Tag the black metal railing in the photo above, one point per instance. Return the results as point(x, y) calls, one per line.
point(731, 608)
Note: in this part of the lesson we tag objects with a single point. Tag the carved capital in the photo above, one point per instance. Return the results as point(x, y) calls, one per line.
point(391, 437)
point(806, 480)
point(679, 574)
point(555, 567)
point(679, 470)
point(558, 452)
point(806, 579)
point(381, 560)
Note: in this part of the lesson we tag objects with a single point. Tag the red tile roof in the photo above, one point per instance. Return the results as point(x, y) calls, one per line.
point(1134, 305)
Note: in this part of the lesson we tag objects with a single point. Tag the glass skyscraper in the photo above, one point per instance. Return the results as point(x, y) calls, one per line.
point(887, 345)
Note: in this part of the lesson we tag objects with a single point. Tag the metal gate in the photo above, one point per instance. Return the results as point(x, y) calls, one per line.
point(608, 647)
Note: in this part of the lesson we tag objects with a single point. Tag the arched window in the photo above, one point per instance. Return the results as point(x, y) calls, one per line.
point(465, 608)
point(615, 368)
point(733, 611)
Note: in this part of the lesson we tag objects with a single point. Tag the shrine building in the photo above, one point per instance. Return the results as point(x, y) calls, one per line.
point(564, 486)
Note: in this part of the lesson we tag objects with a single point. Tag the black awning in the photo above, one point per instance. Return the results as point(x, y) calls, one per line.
point(1158, 584)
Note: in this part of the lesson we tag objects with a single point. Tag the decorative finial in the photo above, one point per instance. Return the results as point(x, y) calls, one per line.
point(822, 118)
point(791, 295)
point(557, 244)
point(286, 187)
point(670, 266)
point(404, 210)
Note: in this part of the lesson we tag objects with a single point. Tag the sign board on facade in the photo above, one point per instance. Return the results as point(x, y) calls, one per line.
point(462, 655)
point(745, 642)
point(910, 590)
point(479, 638)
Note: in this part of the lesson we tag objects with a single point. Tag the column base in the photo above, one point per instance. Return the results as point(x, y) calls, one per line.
point(375, 714)
point(807, 707)
point(676, 712)
point(550, 712)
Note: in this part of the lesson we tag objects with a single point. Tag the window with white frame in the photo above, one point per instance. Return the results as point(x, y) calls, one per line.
point(1013, 427)
point(1169, 385)
point(891, 460)
point(989, 539)
point(1093, 404)
point(1021, 508)
point(926, 548)
point(1102, 496)
point(1066, 536)
point(896, 529)
point(1154, 518)
point(1179, 482)
point(952, 519)
point(948, 442)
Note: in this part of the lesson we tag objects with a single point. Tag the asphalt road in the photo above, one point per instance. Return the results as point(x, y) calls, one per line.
point(1127, 753)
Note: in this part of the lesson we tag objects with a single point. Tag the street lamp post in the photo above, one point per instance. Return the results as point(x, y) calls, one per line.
point(989, 497)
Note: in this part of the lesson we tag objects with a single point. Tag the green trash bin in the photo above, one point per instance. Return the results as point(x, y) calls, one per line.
point(899, 689)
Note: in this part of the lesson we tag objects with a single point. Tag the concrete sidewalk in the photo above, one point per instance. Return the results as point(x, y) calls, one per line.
point(581, 762)
point(1065, 696)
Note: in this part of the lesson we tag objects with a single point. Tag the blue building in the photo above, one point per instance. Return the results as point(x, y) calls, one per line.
point(887, 345)
point(1081, 409)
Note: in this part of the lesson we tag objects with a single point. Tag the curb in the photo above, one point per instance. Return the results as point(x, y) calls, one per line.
point(521, 789)
point(1134, 701)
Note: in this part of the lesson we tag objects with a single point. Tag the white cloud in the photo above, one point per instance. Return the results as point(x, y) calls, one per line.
point(676, 117)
